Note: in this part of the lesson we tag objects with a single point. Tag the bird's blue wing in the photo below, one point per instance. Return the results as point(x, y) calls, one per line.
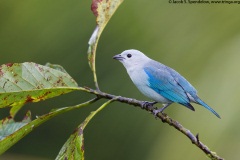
point(182, 82)
point(161, 80)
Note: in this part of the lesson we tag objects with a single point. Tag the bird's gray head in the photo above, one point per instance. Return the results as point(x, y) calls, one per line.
point(131, 58)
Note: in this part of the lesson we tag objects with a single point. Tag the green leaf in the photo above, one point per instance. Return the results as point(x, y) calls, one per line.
point(11, 132)
point(103, 10)
point(30, 82)
point(73, 149)
point(9, 126)
point(56, 66)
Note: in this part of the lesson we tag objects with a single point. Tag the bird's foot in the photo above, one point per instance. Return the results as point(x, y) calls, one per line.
point(156, 111)
point(148, 105)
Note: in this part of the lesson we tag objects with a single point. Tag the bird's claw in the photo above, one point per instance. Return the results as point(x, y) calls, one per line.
point(148, 105)
point(156, 111)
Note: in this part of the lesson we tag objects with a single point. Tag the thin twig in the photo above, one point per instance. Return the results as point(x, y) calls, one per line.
point(164, 117)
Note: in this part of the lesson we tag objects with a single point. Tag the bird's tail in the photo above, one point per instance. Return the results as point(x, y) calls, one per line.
point(199, 101)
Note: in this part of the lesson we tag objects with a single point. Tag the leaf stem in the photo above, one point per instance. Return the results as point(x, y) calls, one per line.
point(13, 138)
point(95, 112)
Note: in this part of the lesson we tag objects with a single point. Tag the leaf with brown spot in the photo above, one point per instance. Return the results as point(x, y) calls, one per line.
point(73, 147)
point(30, 82)
point(9, 126)
point(103, 10)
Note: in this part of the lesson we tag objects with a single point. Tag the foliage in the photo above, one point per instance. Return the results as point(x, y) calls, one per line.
point(21, 83)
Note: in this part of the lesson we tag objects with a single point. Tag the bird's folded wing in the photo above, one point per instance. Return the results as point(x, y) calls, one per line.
point(182, 82)
point(162, 82)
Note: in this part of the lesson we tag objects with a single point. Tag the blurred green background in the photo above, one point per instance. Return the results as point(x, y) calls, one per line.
point(202, 42)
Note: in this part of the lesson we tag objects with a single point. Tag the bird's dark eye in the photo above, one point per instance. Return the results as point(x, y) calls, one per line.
point(129, 55)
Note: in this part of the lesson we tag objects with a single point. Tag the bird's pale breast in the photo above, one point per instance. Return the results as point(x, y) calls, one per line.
point(140, 79)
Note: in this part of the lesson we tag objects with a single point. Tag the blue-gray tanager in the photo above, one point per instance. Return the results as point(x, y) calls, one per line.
point(159, 82)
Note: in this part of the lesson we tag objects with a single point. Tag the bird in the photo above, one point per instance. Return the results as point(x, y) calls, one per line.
point(159, 82)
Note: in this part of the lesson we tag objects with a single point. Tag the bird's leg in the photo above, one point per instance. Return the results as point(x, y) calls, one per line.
point(147, 104)
point(156, 111)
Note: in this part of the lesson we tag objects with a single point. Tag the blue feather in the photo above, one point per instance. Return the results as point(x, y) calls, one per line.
point(182, 82)
point(199, 101)
point(166, 86)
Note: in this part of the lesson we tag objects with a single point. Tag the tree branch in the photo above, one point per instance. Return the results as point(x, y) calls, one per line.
point(163, 116)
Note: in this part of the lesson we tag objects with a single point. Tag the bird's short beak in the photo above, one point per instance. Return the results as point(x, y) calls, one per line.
point(118, 57)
